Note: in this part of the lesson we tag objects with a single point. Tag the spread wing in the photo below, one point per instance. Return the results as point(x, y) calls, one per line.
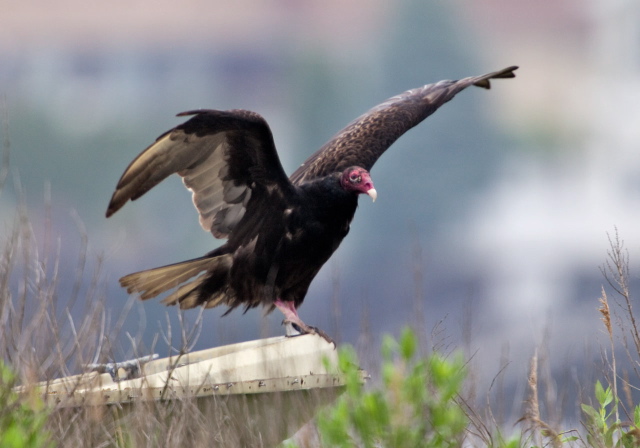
point(364, 140)
point(225, 158)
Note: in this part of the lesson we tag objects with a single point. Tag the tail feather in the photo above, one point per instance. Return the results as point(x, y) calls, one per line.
point(152, 282)
point(188, 295)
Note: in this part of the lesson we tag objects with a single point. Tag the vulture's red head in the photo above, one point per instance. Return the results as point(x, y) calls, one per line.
point(358, 179)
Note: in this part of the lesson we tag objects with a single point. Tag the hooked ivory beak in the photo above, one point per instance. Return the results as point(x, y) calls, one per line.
point(373, 193)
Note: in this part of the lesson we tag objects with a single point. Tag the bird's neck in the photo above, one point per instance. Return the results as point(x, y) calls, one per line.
point(328, 195)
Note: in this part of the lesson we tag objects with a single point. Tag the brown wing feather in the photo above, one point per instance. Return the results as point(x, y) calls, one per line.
point(224, 158)
point(364, 140)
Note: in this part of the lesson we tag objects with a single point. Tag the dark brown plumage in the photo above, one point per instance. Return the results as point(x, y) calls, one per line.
point(279, 230)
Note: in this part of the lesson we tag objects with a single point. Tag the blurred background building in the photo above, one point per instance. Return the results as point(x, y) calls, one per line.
point(493, 215)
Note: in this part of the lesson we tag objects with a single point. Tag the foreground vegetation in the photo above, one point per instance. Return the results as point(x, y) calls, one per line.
point(419, 401)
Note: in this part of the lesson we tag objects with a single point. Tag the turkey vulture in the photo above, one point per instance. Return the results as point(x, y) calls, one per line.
point(280, 230)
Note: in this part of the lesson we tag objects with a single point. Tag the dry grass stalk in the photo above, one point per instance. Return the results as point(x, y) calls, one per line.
point(6, 143)
point(626, 387)
point(605, 312)
point(532, 412)
point(538, 429)
point(606, 318)
point(617, 273)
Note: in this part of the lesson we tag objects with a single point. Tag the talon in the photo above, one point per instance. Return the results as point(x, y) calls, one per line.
point(324, 336)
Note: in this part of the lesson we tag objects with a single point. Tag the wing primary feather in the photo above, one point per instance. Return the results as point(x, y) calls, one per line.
point(366, 138)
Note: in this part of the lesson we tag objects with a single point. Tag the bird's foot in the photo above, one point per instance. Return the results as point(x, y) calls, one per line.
point(291, 319)
point(303, 328)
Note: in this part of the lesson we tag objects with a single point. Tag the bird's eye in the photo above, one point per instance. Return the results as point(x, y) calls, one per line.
point(355, 178)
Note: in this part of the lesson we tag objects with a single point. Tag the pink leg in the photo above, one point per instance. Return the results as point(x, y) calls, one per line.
point(288, 308)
